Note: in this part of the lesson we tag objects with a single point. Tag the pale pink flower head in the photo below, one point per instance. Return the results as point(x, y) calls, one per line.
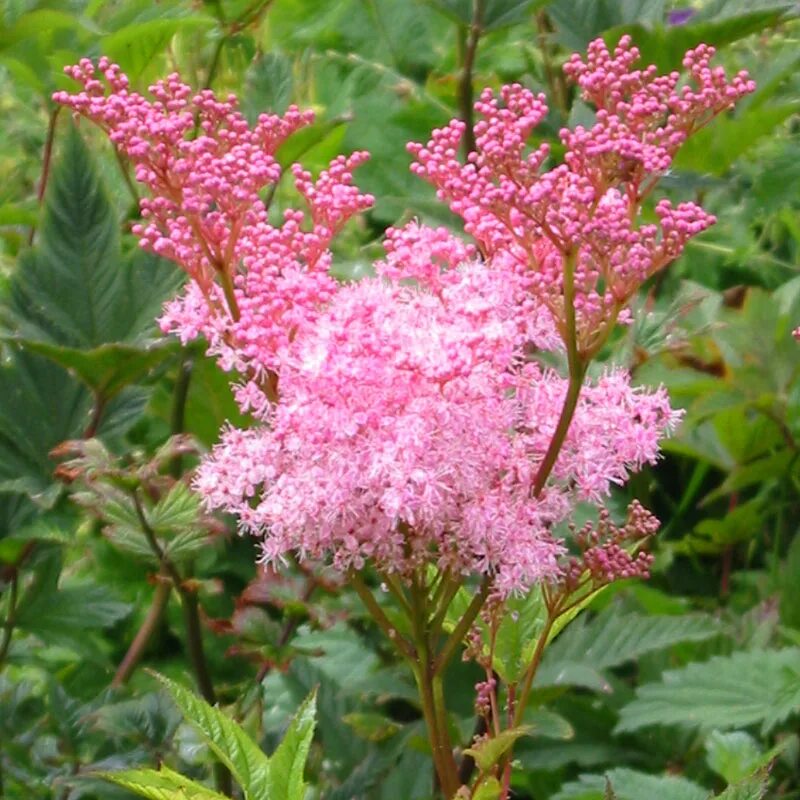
point(410, 430)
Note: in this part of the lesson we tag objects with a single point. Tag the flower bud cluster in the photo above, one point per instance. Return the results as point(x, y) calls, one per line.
point(253, 285)
point(583, 214)
point(609, 552)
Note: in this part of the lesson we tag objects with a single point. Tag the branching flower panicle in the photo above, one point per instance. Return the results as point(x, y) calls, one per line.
point(579, 220)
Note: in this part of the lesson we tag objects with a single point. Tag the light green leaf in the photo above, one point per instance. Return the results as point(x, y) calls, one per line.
point(752, 788)
point(288, 761)
point(162, 784)
point(734, 755)
point(248, 764)
point(759, 686)
point(488, 790)
point(488, 752)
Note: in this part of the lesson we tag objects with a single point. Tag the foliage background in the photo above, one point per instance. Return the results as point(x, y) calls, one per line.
point(673, 689)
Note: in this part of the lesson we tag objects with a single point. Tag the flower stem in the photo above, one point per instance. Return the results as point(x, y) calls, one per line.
point(431, 691)
point(469, 49)
point(378, 614)
point(577, 371)
point(464, 624)
point(193, 629)
point(145, 633)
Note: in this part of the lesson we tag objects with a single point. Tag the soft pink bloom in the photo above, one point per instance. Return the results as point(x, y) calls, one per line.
point(408, 431)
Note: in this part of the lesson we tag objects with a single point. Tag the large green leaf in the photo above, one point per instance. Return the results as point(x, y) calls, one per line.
point(41, 405)
point(76, 288)
point(579, 21)
point(106, 369)
point(612, 638)
point(243, 757)
point(746, 688)
point(720, 24)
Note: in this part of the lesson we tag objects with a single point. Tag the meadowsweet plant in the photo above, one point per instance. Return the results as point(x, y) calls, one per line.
point(410, 431)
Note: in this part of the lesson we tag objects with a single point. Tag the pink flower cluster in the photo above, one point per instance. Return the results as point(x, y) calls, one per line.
point(253, 285)
point(412, 422)
point(577, 223)
point(409, 429)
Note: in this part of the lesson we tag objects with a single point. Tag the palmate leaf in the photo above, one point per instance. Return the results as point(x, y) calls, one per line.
point(746, 688)
point(162, 784)
point(243, 757)
point(611, 639)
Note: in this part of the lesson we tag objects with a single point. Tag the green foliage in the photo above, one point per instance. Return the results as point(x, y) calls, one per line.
point(700, 662)
point(745, 688)
point(277, 778)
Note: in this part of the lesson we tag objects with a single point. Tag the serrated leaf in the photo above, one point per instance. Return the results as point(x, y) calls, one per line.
point(177, 509)
point(248, 764)
point(489, 751)
point(267, 86)
point(735, 691)
point(628, 784)
point(162, 784)
point(611, 639)
point(75, 289)
point(106, 369)
point(288, 762)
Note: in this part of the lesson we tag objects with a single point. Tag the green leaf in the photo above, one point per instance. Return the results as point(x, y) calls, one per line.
point(71, 608)
point(162, 784)
point(177, 509)
point(714, 149)
point(75, 289)
point(735, 755)
point(248, 764)
point(579, 21)
point(489, 790)
point(372, 726)
point(665, 46)
point(759, 686)
point(268, 85)
point(611, 639)
point(288, 761)
point(752, 788)
point(627, 784)
point(546, 724)
point(488, 752)
point(106, 369)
